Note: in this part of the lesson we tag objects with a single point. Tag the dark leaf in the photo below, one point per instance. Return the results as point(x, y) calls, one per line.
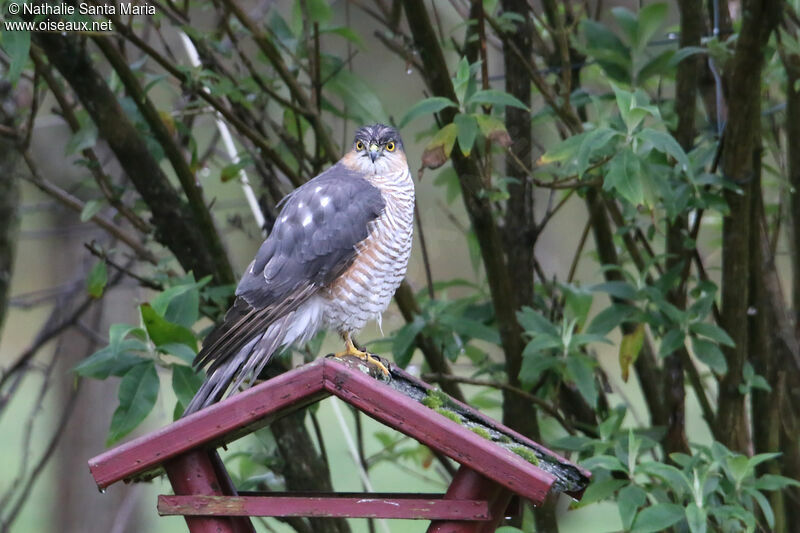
point(138, 392)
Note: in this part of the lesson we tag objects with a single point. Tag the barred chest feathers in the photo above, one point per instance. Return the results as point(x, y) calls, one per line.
point(364, 291)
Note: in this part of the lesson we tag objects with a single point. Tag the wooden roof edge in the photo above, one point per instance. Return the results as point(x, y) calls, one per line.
point(208, 425)
point(503, 429)
point(438, 432)
point(308, 383)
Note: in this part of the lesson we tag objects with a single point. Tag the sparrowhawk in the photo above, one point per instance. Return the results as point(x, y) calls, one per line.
point(333, 260)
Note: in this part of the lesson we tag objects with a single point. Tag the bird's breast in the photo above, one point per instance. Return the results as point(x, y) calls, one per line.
point(365, 289)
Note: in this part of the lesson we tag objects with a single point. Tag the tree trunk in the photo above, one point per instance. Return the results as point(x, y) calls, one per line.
point(9, 199)
point(740, 149)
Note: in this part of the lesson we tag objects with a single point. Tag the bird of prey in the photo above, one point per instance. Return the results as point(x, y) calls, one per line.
point(333, 260)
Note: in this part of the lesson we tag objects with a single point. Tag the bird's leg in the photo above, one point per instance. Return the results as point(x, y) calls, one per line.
point(350, 349)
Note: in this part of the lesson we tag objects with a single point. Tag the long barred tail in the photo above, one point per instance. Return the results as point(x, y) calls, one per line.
point(248, 362)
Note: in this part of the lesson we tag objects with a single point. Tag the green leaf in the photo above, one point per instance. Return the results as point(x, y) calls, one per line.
point(605, 462)
point(180, 304)
point(709, 353)
point(775, 482)
point(624, 176)
point(16, 45)
point(427, 106)
point(657, 517)
point(181, 351)
point(462, 80)
point(138, 391)
point(601, 490)
point(185, 383)
point(534, 365)
point(672, 341)
point(534, 322)
point(671, 475)
point(697, 519)
point(763, 503)
point(759, 458)
point(629, 500)
point(581, 370)
point(713, 332)
point(495, 97)
point(90, 209)
point(629, 350)
point(539, 344)
point(97, 279)
point(618, 289)
point(163, 332)
point(118, 332)
point(564, 150)
point(106, 362)
point(610, 52)
point(659, 65)
point(319, 11)
point(231, 171)
point(595, 141)
point(609, 318)
point(403, 344)
point(628, 22)
point(467, 132)
point(666, 144)
point(651, 18)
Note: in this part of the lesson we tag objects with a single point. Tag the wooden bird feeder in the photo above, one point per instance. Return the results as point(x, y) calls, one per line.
point(496, 462)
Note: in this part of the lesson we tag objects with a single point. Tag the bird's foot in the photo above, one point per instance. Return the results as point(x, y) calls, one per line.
point(350, 349)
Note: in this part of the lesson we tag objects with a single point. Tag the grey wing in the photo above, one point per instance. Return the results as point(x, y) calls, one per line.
point(313, 241)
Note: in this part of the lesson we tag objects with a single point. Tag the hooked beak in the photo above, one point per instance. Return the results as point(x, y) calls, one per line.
point(374, 152)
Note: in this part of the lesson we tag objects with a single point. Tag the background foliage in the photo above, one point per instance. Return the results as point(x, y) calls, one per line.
point(619, 178)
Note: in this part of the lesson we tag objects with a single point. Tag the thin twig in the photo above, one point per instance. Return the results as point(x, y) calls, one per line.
point(101, 254)
point(77, 205)
point(579, 251)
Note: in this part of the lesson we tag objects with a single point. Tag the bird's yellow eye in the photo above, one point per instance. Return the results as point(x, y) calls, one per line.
point(359, 146)
point(390, 146)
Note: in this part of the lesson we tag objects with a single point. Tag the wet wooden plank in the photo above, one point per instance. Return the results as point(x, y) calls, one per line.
point(243, 412)
point(438, 432)
point(333, 506)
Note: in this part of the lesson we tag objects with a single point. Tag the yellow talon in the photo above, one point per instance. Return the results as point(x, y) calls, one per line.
point(350, 349)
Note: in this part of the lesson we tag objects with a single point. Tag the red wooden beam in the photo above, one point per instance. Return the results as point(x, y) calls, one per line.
point(194, 473)
point(333, 506)
point(218, 424)
point(468, 484)
point(438, 432)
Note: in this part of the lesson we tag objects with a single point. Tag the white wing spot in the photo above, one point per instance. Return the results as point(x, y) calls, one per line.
point(319, 188)
point(325, 200)
point(300, 205)
point(307, 220)
point(284, 218)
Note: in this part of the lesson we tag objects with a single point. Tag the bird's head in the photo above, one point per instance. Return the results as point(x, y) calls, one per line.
point(377, 148)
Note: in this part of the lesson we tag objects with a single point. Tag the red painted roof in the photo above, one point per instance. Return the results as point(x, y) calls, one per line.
point(256, 407)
